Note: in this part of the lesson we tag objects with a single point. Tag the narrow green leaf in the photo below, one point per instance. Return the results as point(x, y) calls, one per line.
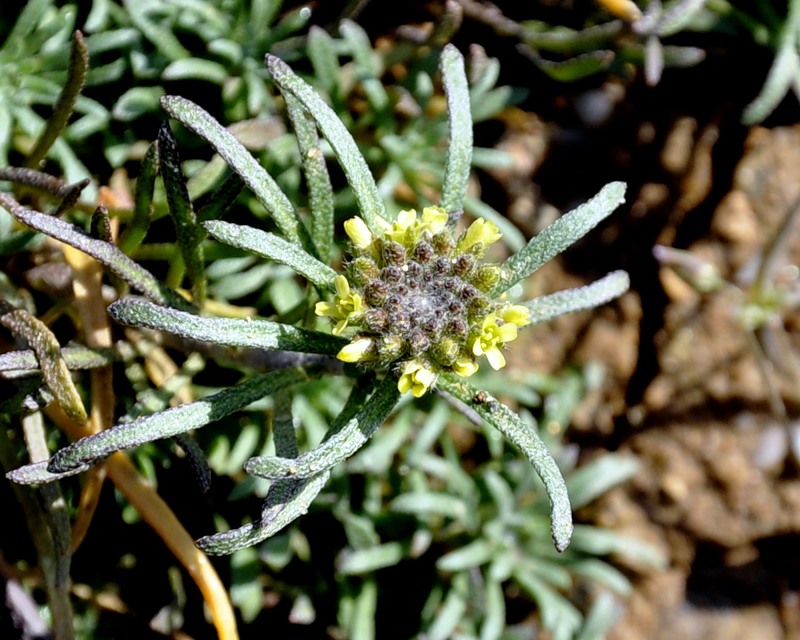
point(593, 295)
point(354, 562)
point(287, 508)
point(494, 619)
point(678, 16)
point(222, 199)
point(430, 503)
point(602, 574)
point(526, 440)
point(136, 230)
point(597, 477)
point(172, 421)
point(242, 162)
point(325, 60)
point(109, 255)
point(270, 246)
point(452, 611)
point(565, 231)
point(577, 67)
point(602, 617)
point(363, 618)
point(472, 555)
point(355, 167)
point(337, 447)
point(48, 351)
point(598, 542)
point(76, 358)
point(27, 20)
point(62, 110)
point(38, 180)
point(782, 74)
point(364, 59)
point(231, 332)
point(195, 69)
point(559, 616)
point(541, 36)
point(37, 473)
point(459, 152)
point(162, 38)
point(136, 102)
point(291, 497)
point(189, 234)
point(320, 191)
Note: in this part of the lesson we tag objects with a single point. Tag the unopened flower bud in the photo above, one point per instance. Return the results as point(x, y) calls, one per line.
point(376, 292)
point(362, 270)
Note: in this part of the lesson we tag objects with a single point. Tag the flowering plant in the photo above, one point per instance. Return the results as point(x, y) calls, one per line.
point(415, 310)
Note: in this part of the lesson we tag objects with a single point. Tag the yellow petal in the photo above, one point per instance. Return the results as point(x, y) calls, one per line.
point(465, 368)
point(358, 232)
point(507, 332)
point(342, 286)
point(356, 351)
point(324, 309)
point(340, 326)
point(435, 219)
point(516, 314)
point(495, 358)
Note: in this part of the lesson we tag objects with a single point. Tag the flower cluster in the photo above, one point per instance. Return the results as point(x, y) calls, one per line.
point(416, 296)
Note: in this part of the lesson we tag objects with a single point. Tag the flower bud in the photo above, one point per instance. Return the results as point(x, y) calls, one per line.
point(358, 232)
point(463, 265)
point(376, 292)
point(423, 252)
point(357, 351)
point(362, 270)
point(486, 276)
point(394, 254)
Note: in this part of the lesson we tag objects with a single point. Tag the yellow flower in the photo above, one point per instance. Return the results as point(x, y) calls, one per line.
point(356, 351)
point(358, 232)
point(406, 229)
point(417, 378)
point(483, 231)
point(346, 306)
point(465, 367)
point(491, 339)
point(434, 219)
point(403, 229)
point(516, 314)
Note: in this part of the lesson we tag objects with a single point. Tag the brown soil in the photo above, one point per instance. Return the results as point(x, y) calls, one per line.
point(718, 490)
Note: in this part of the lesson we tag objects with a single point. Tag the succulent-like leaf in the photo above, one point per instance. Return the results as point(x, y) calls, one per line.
point(459, 152)
point(338, 446)
point(525, 438)
point(287, 506)
point(188, 233)
point(262, 185)
point(45, 345)
point(593, 295)
point(292, 496)
point(75, 358)
point(355, 167)
point(320, 191)
point(231, 332)
point(62, 110)
point(565, 231)
point(172, 421)
point(142, 201)
point(120, 264)
point(268, 245)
